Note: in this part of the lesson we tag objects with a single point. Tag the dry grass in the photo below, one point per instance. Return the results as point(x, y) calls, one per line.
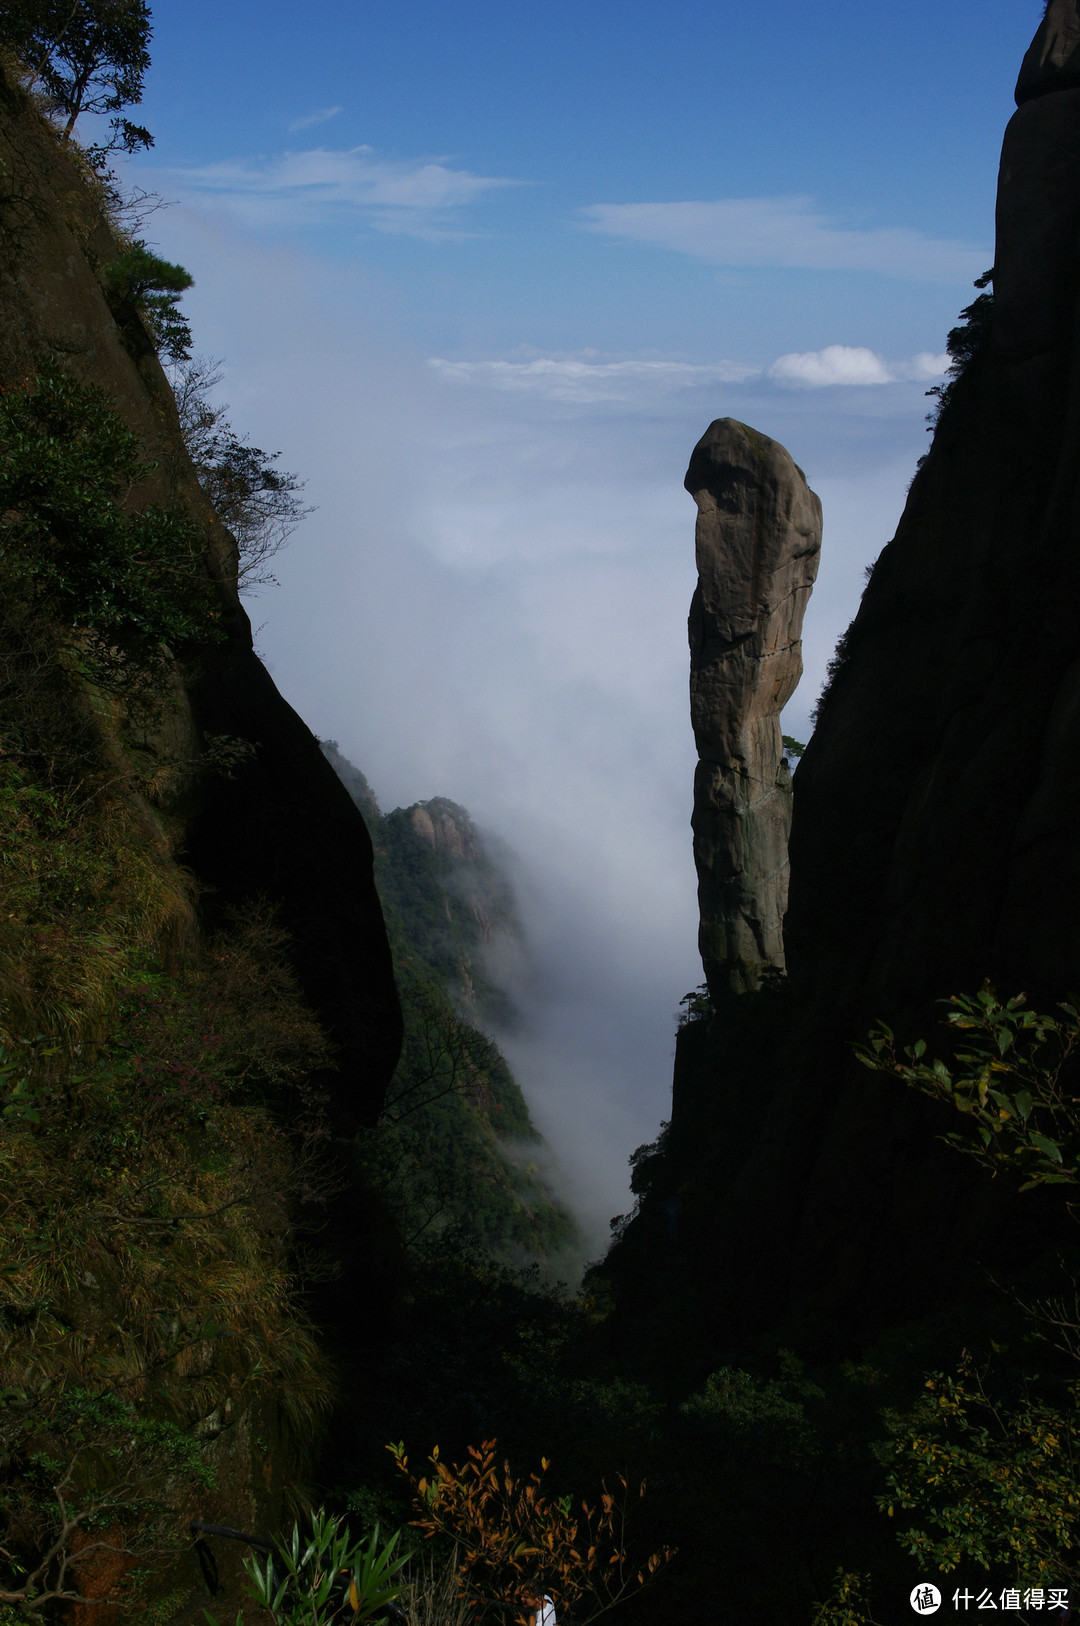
point(146, 1189)
point(431, 1594)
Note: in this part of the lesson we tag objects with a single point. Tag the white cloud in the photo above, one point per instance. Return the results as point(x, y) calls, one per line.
point(536, 565)
point(925, 366)
point(836, 364)
point(319, 117)
point(852, 364)
point(393, 194)
point(577, 380)
point(785, 232)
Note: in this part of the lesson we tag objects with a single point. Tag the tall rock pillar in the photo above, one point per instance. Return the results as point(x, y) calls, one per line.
point(758, 543)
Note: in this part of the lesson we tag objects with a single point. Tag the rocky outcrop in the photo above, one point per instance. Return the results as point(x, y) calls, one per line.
point(758, 542)
point(1053, 57)
point(280, 827)
point(445, 828)
point(937, 829)
point(246, 801)
point(935, 843)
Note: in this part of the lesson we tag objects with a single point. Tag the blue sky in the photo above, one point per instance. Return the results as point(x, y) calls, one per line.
point(552, 152)
point(483, 274)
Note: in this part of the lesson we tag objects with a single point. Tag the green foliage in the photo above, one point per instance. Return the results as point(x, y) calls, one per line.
point(696, 1006)
point(647, 1160)
point(963, 343)
point(88, 56)
point(992, 1481)
point(328, 1576)
point(991, 1484)
point(435, 1155)
point(846, 1604)
point(146, 1291)
point(87, 1480)
point(792, 747)
point(840, 657)
point(142, 281)
point(129, 581)
point(1007, 1081)
point(453, 1155)
point(767, 1418)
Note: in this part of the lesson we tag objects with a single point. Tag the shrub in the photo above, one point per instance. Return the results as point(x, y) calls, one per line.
point(141, 281)
point(515, 1539)
point(327, 1576)
point(129, 581)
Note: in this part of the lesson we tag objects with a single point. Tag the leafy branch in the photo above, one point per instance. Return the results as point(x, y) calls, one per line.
point(512, 1535)
point(1008, 1079)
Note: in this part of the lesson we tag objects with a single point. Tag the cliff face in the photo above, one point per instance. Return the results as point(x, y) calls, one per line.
point(758, 541)
point(220, 808)
point(935, 838)
point(282, 826)
point(937, 827)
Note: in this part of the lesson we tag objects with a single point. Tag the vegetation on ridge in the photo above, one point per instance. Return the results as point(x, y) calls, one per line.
point(87, 56)
point(455, 1152)
point(149, 1286)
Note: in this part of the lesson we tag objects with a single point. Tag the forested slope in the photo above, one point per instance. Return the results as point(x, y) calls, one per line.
point(456, 1150)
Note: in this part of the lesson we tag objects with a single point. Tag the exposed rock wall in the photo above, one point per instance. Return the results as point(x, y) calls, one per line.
point(937, 828)
point(283, 827)
point(935, 842)
point(758, 541)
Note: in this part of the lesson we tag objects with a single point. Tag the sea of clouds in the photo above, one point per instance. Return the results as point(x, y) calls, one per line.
point(490, 601)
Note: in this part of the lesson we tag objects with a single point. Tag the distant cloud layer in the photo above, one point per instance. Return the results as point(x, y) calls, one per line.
point(574, 379)
point(785, 232)
point(582, 381)
point(852, 364)
point(405, 195)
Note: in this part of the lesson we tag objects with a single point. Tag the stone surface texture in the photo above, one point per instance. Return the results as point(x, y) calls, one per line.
point(758, 542)
point(1053, 57)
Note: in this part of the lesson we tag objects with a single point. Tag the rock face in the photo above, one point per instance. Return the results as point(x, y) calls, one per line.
point(937, 828)
point(445, 828)
point(935, 843)
point(758, 542)
point(282, 827)
point(1053, 57)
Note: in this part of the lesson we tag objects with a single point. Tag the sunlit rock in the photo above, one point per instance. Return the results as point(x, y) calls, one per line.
point(758, 542)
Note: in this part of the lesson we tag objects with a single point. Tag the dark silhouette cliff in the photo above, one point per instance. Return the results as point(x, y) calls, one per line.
point(281, 827)
point(937, 833)
point(202, 933)
point(935, 842)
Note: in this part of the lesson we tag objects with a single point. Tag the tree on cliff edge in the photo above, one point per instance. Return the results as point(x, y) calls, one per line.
point(89, 57)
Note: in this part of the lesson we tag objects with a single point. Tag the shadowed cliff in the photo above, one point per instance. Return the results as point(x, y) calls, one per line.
point(229, 1010)
point(281, 827)
point(935, 843)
